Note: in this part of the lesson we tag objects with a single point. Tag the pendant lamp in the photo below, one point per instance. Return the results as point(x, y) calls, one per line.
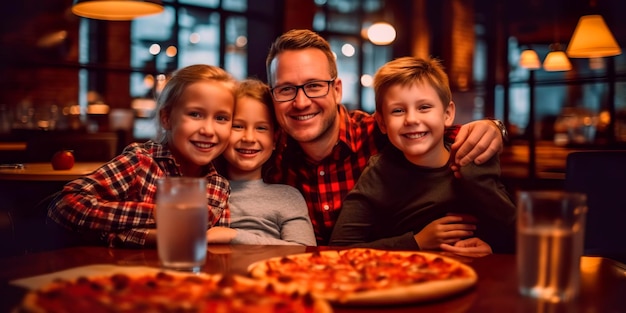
point(116, 10)
point(592, 38)
point(529, 60)
point(556, 60)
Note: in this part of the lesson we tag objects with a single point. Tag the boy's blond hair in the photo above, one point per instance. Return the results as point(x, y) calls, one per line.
point(406, 71)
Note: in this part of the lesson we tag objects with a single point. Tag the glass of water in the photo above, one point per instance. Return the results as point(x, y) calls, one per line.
point(181, 222)
point(550, 238)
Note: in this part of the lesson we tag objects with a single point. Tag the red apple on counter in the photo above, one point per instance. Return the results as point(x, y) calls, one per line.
point(63, 160)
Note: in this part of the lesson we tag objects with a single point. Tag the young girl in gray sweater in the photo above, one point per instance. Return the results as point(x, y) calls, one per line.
point(261, 213)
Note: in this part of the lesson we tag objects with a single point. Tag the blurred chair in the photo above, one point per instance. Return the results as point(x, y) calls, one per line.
point(602, 176)
point(28, 229)
point(8, 244)
point(87, 147)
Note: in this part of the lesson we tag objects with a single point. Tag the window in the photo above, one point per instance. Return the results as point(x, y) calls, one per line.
point(198, 31)
point(150, 38)
point(571, 107)
point(187, 34)
point(216, 32)
point(236, 54)
point(341, 22)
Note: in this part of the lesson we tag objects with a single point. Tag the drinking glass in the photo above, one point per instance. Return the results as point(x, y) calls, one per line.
point(181, 222)
point(550, 238)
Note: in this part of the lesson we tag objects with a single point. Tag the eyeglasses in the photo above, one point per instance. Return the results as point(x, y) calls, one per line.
point(312, 89)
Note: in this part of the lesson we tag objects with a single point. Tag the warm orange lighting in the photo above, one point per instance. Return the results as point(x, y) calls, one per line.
point(144, 107)
point(596, 63)
point(74, 110)
point(592, 38)
point(97, 108)
point(116, 10)
point(381, 33)
point(590, 265)
point(52, 39)
point(148, 81)
point(529, 60)
point(557, 61)
point(171, 51)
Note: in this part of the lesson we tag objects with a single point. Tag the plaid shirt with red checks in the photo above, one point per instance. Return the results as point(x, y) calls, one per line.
point(325, 184)
point(118, 199)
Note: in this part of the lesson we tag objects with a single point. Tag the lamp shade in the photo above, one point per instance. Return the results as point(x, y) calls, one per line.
point(116, 10)
point(529, 60)
point(557, 61)
point(592, 38)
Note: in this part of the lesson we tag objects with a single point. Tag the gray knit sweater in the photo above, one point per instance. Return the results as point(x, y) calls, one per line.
point(269, 214)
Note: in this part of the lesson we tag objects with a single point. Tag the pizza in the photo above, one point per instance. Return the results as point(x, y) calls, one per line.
point(167, 292)
point(368, 276)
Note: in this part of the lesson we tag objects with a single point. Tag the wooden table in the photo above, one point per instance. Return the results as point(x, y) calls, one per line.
point(44, 172)
point(12, 146)
point(603, 280)
point(12, 151)
point(22, 189)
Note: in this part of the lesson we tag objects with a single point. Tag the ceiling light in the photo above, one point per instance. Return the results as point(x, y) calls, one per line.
point(592, 38)
point(116, 10)
point(529, 60)
point(556, 60)
point(381, 33)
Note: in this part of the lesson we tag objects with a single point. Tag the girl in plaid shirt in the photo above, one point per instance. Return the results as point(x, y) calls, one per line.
point(116, 202)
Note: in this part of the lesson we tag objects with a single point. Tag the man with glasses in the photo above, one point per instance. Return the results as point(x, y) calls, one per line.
point(323, 148)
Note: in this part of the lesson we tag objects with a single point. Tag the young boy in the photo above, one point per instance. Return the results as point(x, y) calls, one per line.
point(408, 198)
point(117, 201)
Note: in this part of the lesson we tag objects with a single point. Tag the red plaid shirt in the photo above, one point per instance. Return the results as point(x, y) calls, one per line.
point(118, 199)
point(325, 184)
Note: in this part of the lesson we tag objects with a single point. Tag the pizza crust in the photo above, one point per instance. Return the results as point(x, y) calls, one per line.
point(414, 293)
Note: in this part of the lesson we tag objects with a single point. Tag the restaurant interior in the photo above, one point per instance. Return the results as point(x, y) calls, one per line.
point(84, 75)
point(89, 84)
